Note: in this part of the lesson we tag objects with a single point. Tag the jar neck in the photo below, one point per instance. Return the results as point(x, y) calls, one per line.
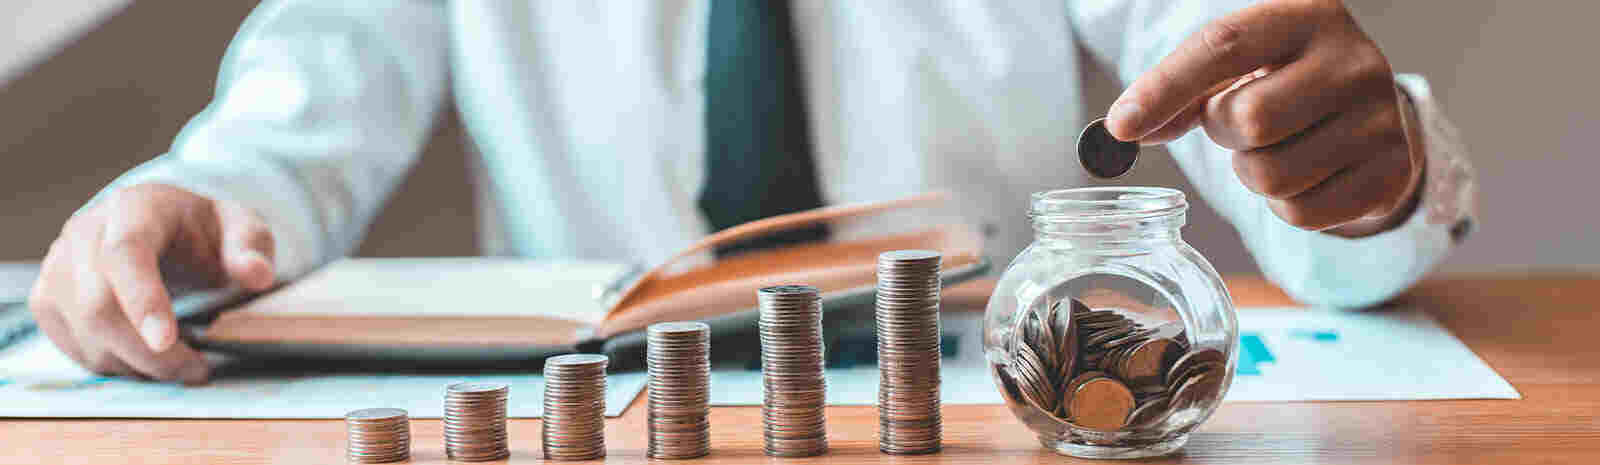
point(1049, 229)
point(1108, 217)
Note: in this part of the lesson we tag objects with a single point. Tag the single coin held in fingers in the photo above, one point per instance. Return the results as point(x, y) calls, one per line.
point(1102, 155)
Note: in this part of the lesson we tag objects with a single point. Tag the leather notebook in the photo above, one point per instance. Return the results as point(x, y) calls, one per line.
point(497, 310)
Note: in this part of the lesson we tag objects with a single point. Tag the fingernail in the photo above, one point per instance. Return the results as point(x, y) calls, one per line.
point(255, 270)
point(1127, 113)
point(250, 257)
point(155, 330)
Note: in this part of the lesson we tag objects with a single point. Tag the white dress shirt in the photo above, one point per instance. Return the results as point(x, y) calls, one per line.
point(586, 119)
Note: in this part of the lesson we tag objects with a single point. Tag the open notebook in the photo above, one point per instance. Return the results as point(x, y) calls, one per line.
point(498, 309)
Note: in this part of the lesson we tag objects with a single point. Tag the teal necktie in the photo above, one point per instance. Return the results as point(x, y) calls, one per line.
point(758, 145)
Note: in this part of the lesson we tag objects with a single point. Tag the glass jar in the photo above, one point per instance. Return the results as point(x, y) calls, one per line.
point(1109, 336)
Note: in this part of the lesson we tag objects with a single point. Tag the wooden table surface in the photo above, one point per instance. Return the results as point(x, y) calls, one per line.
point(1540, 331)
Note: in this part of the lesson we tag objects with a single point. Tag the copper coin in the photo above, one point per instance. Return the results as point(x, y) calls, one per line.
point(1146, 362)
point(1101, 404)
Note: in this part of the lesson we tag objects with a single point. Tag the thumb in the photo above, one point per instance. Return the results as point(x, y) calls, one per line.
point(247, 247)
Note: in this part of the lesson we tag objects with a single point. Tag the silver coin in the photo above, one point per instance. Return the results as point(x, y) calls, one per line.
point(377, 435)
point(907, 326)
point(794, 419)
point(573, 427)
point(1102, 155)
point(678, 362)
point(475, 421)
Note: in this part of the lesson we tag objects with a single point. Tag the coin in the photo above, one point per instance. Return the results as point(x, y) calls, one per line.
point(1068, 389)
point(1190, 360)
point(1197, 389)
point(793, 415)
point(475, 421)
point(1061, 348)
point(1150, 412)
point(1147, 362)
point(907, 328)
point(1102, 155)
point(1066, 332)
point(678, 360)
point(1101, 404)
point(377, 435)
point(573, 427)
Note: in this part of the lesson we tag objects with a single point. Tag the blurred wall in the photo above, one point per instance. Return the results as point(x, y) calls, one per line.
point(117, 95)
point(1511, 74)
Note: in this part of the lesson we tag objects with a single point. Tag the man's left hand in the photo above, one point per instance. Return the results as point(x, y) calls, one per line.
point(1306, 101)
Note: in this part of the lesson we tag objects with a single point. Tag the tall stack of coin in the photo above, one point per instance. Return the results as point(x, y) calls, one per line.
point(908, 352)
point(679, 362)
point(377, 435)
point(574, 407)
point(792, 410)
point(475, 422)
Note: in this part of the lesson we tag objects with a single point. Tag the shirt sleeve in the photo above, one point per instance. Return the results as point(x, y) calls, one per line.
point(320, 108)
point(1313, 267)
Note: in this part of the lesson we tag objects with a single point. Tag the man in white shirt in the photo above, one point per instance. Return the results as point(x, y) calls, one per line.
point(590, 125)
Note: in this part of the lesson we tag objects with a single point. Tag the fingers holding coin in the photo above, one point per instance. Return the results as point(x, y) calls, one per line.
point(1307, 102)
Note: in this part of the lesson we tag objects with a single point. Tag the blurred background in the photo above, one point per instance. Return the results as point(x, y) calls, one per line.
point(90, 88)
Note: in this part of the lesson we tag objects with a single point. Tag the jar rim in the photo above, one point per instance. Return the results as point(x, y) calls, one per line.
point(1107, 203)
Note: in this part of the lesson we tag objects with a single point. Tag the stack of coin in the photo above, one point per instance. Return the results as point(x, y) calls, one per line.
point(475, 422)
point(1100, 370)
point(793, 406)
point(377, 435)
point(908, 352)
point(574, 407)
point(679, 362)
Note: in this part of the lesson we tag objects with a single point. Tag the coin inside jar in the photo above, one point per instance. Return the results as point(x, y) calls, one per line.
point(1101, 404)
point(1107, 369)
point(1102, 155)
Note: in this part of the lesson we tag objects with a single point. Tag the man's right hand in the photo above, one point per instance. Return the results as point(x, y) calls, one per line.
point(100, 294)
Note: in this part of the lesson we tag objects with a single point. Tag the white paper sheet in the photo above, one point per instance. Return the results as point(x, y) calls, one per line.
point(36, 380)
point(1285, 355)
point(1401, 354)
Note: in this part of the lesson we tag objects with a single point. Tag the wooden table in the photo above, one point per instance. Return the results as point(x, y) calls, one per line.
point(1541, 332)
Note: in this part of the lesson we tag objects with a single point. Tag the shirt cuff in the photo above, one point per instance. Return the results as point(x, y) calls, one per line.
point(1363, 272)
point(1450, 189)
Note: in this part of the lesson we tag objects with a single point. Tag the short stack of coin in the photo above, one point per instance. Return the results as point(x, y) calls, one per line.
point(679, 362)
point(1102, 371)
point(909, 420)
point(793, 412)
point(574, 407)
point(475, 422)
point(377, 435)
